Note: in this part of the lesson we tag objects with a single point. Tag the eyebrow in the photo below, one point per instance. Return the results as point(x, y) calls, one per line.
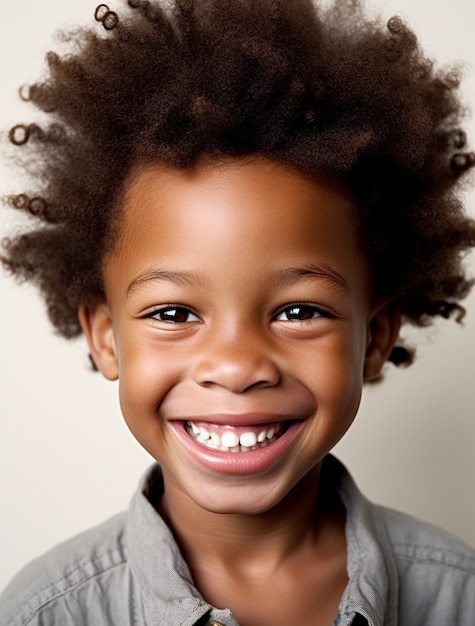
point(285, 276)
point(178, 277)
point(312, 271)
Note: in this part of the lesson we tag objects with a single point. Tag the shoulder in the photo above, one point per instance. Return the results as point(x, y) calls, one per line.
point(409, 571)
point(408, 539)
point(436, 570)
point(82, 565)
point(424, 543)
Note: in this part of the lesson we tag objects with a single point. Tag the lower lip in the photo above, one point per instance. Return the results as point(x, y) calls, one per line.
point(237, 463)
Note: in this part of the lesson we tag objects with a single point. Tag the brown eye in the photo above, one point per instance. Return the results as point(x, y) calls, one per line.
point(175, 315)
point(298, 313)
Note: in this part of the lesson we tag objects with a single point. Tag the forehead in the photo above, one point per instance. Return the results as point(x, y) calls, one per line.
point(239, 184)
point(258, 210)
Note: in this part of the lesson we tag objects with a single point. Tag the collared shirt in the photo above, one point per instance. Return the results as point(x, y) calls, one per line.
point(129, 572)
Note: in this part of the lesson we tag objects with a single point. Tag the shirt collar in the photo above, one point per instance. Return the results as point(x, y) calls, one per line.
point(168, 594)
point(372, 590)
point(170, 597)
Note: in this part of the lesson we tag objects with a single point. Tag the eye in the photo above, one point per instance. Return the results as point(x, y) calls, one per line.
point(174, 315)
point(299, 313)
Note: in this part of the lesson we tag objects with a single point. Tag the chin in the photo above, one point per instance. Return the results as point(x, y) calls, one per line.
point(248, 499)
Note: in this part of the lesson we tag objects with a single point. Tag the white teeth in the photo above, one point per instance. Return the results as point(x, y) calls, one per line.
point(194, 428)
point(248, 439)
point(230, 441)
point(205, 433)
point(215, 438)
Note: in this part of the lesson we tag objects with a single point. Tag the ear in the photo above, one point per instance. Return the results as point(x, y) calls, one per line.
point(383, 330)
point(97, 326)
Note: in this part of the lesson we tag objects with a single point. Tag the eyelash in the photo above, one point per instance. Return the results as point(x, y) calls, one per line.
point(320, 312)
point(170, 308)
point(316, 312)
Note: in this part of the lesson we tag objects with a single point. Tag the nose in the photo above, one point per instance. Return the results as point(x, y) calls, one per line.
point(237, 362)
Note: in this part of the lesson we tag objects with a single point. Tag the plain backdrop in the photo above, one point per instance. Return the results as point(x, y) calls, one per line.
point(67, 460)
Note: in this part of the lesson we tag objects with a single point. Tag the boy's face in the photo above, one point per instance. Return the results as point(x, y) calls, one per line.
point(238, 306)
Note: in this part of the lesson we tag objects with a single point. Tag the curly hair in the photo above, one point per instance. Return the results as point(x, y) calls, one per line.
point(322, 89)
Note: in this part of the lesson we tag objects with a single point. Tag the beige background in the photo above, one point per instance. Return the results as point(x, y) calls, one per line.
point(66, 458)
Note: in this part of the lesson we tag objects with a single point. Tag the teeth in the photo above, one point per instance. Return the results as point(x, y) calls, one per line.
point(248, 439)
point(230, 441)
point(215, 438)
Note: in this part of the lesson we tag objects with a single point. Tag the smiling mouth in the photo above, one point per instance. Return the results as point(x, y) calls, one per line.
point(233, 439)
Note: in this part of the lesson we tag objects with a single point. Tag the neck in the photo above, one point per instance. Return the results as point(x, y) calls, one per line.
point(249, 542)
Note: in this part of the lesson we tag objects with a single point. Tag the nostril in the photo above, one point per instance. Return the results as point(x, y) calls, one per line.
point(237, 374)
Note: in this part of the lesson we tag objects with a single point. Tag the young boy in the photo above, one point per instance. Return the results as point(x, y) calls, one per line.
point(239, 204)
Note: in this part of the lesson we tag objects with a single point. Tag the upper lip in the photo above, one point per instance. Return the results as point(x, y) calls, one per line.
point(241, 419)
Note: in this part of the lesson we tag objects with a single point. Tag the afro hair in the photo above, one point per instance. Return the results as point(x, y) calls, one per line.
point(320, 88)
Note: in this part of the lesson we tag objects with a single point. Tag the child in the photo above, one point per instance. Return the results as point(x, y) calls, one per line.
point(239, 204)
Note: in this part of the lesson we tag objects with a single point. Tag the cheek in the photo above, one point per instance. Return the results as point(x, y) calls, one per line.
point(145, 379)
point(350, 386)
point(146, 375)
point(336, 374)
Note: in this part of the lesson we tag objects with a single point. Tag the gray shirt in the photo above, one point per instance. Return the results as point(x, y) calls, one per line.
point(129, 571)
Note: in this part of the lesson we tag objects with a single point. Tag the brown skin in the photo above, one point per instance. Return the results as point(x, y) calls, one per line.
point(285, 566)
point(243, 340)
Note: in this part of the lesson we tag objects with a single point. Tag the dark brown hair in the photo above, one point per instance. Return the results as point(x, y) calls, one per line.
point(320, 89)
